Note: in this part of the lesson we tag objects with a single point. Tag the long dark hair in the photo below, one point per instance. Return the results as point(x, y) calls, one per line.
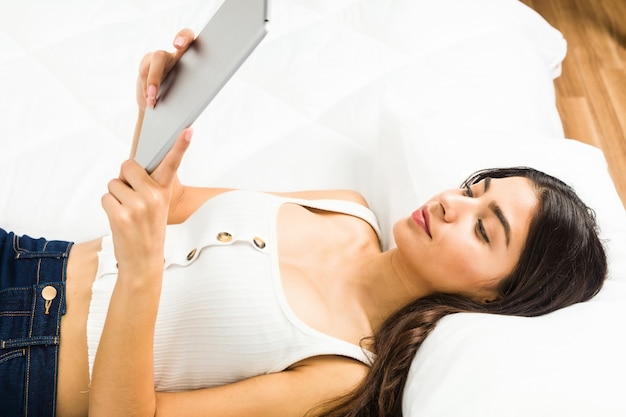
point(563, 263)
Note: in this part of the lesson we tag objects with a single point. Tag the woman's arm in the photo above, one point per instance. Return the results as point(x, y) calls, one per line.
point(137, 206)
point(307, 386)
point(188, 199)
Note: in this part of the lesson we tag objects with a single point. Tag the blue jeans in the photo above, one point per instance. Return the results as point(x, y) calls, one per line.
point(32, 301)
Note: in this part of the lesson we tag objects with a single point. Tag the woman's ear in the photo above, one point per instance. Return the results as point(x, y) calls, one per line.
point(490, 295)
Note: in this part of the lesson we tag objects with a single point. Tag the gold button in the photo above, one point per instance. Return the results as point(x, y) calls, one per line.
point(224, 237)
point(258, 242)
point(191, 254)
point(49, 293)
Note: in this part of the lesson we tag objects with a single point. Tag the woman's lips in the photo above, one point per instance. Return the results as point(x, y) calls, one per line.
point(422, 218)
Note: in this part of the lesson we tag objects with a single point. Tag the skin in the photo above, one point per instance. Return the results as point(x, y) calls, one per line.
point(334, 275)
point(468, 261)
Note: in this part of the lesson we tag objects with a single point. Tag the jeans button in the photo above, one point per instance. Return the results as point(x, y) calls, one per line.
point(49, 293)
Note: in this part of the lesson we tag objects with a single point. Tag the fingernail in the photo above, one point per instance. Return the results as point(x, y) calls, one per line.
point(188, 134)
point(151, 99)
point(179, 42)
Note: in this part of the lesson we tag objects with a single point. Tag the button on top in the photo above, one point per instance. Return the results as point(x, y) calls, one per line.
point(258, 242)
point(191, 254)
point(224, 237)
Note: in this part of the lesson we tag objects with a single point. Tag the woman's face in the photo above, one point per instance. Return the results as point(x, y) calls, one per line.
point(465, 241)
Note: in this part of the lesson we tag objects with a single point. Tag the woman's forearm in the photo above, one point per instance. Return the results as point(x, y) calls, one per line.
point(123, 375)
point(136, 205)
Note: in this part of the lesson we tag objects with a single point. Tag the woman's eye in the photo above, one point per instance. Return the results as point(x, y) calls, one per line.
point(480, 227)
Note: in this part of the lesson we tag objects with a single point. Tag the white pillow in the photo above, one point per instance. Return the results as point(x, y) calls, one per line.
point(569, 363)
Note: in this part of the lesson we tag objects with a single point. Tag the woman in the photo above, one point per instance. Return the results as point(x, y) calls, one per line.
point(265, 304)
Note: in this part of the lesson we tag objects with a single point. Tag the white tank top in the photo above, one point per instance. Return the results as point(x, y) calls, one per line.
point(223, 315)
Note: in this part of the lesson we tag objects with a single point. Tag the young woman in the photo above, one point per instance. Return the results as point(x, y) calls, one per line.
point(259, 304)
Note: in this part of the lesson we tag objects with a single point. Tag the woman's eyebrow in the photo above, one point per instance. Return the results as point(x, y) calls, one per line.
point(495, 208)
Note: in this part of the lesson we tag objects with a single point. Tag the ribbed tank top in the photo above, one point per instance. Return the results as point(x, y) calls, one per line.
point(223, 315)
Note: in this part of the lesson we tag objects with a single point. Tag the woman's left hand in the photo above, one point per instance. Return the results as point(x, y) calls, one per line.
point(137, 206)
point(155, 66)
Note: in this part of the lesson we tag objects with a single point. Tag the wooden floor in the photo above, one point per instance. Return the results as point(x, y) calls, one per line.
point(591, 93)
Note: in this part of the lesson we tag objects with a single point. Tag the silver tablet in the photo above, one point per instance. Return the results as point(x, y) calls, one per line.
point(231, 35)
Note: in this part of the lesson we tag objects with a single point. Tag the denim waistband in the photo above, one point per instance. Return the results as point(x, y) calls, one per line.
point(32, 302)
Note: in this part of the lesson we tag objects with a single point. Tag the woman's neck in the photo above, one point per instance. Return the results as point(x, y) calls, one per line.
point(381, 287)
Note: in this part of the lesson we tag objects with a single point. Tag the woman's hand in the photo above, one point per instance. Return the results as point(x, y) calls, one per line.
point(156, 65)
point(153, 69)
point(137, 206)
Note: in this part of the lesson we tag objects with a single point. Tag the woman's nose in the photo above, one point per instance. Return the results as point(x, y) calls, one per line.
point(454, 205)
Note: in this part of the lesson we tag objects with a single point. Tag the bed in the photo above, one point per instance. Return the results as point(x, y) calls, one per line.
point(394, 98)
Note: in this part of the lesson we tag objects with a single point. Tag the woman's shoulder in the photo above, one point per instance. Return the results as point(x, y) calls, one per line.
point(340, 195)
point(193, 198)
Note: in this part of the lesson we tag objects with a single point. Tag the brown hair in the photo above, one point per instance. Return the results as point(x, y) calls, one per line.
point(563, 262)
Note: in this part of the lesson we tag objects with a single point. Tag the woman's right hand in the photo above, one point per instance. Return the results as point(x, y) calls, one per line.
point(156, 65)
point(137, 205)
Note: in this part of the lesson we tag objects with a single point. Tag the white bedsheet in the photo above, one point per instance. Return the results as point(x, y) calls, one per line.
point(389, 97)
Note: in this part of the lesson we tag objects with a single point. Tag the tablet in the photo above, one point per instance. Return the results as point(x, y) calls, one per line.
point(229, 37)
